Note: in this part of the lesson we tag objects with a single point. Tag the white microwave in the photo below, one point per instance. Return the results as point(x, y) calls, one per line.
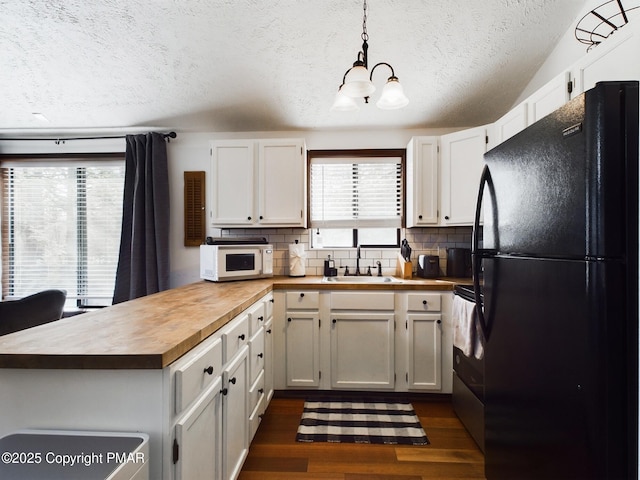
point(222, 263)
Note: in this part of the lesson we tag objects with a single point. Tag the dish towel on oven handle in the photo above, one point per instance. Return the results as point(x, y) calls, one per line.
point(467, 335)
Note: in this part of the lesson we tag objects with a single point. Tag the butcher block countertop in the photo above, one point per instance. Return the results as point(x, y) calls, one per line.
point(153, 331)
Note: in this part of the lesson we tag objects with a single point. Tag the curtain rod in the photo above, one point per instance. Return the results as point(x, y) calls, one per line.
point(59, 140)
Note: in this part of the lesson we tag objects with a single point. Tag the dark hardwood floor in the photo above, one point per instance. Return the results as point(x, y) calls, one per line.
point(275, 454)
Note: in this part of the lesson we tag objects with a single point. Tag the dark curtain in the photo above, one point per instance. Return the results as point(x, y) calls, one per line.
point(143, 265)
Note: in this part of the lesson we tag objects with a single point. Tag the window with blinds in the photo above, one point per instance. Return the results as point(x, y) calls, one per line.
point(61, 223)
point(356, 198)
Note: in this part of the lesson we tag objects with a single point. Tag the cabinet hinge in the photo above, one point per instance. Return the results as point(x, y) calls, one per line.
point(438, 148)
point(211, 152)
point(486, 139)
point(395, 377)
point(176, 451)
point(320, 375)
point(406, 376)
point(319, 323)
point(406, 324)
point(570, 87)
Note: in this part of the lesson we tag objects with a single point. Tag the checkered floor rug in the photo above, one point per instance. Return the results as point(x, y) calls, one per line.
point(369, 421)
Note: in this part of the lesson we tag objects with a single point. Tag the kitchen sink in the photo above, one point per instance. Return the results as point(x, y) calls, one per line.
point(361, 279)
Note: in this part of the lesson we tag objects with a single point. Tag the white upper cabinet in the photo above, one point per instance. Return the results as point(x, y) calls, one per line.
point(232, 184)
point(282, 183)
point(258, 183)
point(610, 61)
point(548, 98)
point(462, 163)
point(511, 123)
point(615, 59)
point(422, 182)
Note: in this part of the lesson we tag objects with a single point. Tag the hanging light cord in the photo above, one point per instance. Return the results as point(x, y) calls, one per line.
point(365, 35)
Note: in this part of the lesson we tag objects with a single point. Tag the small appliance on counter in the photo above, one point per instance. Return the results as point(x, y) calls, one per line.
point(330, 269)
point(243, 258)
point(459, 262)
point(428, 266)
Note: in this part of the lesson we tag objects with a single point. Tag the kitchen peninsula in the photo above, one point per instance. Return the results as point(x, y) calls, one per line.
point(130, 367)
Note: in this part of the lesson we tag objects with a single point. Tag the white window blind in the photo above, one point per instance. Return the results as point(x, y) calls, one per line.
point(356, 192)
point(61, 228)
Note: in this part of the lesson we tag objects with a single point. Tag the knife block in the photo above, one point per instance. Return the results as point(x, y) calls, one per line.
point(404, 269)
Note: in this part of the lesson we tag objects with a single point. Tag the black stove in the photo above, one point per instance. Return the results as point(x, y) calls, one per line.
point(468, 381)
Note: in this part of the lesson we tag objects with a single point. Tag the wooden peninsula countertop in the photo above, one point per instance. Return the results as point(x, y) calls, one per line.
point(153, 331)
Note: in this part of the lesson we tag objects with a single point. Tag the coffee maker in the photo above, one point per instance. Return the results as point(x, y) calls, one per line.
point(459, 262)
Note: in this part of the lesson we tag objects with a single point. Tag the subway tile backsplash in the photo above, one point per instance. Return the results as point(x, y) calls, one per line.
point(429, 241)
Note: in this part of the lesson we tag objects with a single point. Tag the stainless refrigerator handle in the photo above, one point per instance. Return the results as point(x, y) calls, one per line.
point(476, 253)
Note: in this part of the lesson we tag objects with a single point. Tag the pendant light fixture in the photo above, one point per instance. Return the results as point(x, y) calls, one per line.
point(357, 82)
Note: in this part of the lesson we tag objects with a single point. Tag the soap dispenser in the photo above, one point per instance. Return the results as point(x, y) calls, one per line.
point(330, 269)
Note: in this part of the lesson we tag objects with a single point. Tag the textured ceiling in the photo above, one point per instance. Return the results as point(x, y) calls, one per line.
point(251, 65)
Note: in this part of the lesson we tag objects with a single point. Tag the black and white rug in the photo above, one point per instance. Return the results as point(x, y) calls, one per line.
point(361, 421)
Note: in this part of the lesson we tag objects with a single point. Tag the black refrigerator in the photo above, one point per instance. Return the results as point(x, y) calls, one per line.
point(558, 256)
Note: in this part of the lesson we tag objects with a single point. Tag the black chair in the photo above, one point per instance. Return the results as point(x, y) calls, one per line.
point(37, 309)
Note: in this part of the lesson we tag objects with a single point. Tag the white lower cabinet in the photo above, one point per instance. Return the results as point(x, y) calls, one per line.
point(235, 414)
point(220, 396)
point(197, 380)
point(268, 363)
point(363, 340)
point(198, 437)
point(362, 350)
point(362, 346)
point(302, 349)
point(424, 355)
point(423, 325)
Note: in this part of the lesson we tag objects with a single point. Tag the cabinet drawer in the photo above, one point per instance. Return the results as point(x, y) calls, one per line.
point(197, 374)
point(362, 301)
point(303, 300)
point(256, 317)
point(256, 391)
point(234, 336)
point(256, 417)
point(256, 355)
point(268, 307)
point(423, 302)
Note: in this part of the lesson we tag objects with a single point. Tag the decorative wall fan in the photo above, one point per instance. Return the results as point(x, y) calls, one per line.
point(602, 21)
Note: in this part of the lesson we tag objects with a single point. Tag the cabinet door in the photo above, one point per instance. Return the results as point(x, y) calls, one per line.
point(511, 123)
point(303, 349)
point(268, 360)
point(362, 350)
point(235, 414)
point(232, 184)
point(462, 162)
point(611, 60)
point(424, 335)
point(282, 183)
point(198, 437)
point(548, 98)
point(256, 355)
point(422, 181)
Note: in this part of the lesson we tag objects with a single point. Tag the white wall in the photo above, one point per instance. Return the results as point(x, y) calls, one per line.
point(190, 151)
